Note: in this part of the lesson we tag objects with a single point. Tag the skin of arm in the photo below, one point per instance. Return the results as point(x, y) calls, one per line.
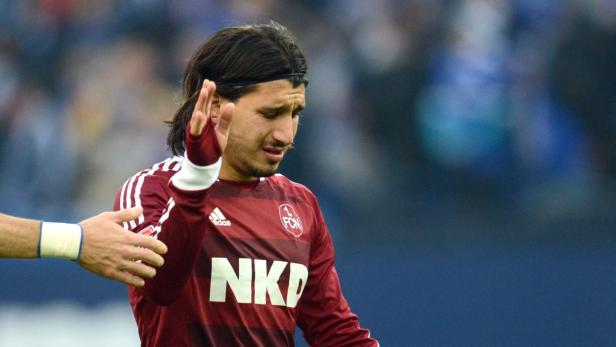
point(108, 250)
point(18, 237)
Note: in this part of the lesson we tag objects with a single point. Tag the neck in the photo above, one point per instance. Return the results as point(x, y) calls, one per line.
point(229, 173)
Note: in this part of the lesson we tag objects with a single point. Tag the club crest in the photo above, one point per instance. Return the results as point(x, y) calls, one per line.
point(290, 220)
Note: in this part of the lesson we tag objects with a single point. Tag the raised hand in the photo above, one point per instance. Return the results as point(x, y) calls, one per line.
point(113, 252)
point(206, 136)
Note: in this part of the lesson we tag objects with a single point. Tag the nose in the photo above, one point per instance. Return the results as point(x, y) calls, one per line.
point(284, 130)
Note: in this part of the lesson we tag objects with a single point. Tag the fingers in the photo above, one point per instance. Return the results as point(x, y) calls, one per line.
point(200, 105)
point(210, 96)
point(201, 113)
point(149, 243)
point(127, 278)
point(147, 256)
point(197, 120)
point(225, 118)
point(110, 251)
point(139, 269)
point(135, 264)
point(126, 215)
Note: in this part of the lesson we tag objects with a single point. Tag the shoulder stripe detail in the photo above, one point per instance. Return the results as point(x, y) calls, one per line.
point(162, 166)
point(129, 189)
point(137, 181)
point(176, 165)
point(122, 193)
point(166, 164)
point(165, 216)
point(138, 191)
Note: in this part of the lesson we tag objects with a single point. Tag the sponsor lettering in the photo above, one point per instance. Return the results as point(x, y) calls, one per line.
point(263, 280)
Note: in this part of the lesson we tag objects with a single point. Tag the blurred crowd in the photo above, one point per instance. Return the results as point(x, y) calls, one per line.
point(418, 110)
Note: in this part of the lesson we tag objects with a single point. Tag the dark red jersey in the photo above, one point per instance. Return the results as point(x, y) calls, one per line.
point(247, 263)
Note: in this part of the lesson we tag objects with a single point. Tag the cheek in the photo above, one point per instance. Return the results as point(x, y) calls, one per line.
point(240, 124)
point(246, 131)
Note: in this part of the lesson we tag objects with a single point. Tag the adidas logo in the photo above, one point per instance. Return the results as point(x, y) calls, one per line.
point(218, 218)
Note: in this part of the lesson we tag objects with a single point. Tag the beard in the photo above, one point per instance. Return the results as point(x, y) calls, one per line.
point(250, 167)
point(246, 163)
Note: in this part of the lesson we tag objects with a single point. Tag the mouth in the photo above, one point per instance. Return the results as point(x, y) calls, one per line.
point(274, 154)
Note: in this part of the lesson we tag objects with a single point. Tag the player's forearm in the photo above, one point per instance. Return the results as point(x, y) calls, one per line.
point(19, 237)
point(183, 233)
point(341, 330)
point(325, 316)
point(182, 230)
point(184, 245)
point(326, 319)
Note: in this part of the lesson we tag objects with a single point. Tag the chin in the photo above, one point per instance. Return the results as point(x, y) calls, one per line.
point(268, 173)
point(264, 170)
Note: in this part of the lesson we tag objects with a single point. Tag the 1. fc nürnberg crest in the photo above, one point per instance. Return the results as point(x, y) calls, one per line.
point(290, 220)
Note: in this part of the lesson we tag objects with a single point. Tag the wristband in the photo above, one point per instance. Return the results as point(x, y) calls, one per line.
point(192, 177)
point(60, 240)
point(203, 150)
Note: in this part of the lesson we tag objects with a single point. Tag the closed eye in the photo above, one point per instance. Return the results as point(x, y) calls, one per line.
point(269, 115)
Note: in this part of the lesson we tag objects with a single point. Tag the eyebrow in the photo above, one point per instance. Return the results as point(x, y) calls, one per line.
point(280, 109)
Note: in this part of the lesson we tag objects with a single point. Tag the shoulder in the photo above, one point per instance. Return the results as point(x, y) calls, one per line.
point(284, 182)
point(289, 186)
point(150, 181)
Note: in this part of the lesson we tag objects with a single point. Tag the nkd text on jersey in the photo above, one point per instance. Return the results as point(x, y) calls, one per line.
point(265, 282)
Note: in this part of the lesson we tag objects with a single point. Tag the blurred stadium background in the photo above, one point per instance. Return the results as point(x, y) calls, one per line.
point(464, 153)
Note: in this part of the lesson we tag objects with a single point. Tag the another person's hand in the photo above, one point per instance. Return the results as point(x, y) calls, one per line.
point(207, 134)
point(113, 252)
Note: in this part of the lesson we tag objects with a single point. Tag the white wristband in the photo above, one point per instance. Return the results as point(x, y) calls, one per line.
point(60, 240)
point(193, 177)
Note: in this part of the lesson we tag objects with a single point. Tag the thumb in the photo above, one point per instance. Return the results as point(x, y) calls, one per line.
point(225, 118)
point(126, 215)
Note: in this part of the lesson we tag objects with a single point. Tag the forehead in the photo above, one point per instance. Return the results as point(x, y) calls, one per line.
point(277, 93)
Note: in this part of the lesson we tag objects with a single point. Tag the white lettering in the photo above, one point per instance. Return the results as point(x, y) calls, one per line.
point(297, 280)
point(291, 222)
point(223, 274)
point(268, 282)
point(265, 283)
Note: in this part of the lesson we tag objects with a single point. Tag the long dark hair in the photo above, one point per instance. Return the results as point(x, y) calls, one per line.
point(237, 58)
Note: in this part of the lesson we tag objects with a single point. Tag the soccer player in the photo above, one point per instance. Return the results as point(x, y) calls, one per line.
point(98, 244)
point(250, 256)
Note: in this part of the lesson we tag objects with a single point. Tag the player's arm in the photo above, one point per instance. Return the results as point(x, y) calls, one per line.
point(18, 237)
point(325, 316)
point(182, 223)
point(98, 244)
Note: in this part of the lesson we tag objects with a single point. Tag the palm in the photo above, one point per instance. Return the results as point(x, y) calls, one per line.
point(202, 113)
point(222, 125)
